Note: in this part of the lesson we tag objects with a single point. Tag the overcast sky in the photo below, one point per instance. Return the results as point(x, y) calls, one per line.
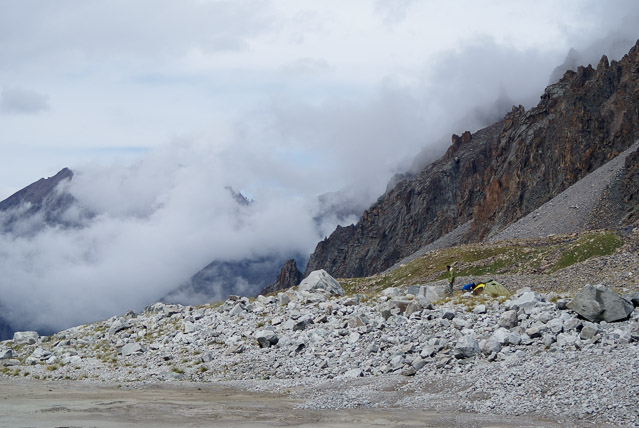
point(85, 81)
point(158, 105)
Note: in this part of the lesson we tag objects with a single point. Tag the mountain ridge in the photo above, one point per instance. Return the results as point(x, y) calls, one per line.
point(498, 174)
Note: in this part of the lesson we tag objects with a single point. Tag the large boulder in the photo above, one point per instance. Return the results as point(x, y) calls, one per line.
point(321, 280)
point(266, 338)
point(132, 348)
point(466, 347)
point(526, 301)
point(433, 293)
point(599, 303)
point(25, 337)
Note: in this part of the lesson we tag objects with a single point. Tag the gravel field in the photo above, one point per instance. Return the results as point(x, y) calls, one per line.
point(312, 359)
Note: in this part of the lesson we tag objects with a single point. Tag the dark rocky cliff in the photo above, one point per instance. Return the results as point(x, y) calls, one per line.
point(498, 174)
point(288, 277)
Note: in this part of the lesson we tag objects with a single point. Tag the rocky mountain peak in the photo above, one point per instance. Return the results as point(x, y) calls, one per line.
point(491, 178)
point(289, 276)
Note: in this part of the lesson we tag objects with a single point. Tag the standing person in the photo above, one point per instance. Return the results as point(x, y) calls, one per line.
point(451, 277)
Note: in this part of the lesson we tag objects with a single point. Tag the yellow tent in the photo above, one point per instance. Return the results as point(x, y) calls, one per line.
point(492, 288)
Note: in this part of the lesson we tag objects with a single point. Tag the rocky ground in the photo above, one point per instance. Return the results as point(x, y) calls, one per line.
point(410, 347)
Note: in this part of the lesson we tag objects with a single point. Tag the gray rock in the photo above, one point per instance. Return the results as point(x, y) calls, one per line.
point(599, 303)
point(633, 298)
point(418, 363)
point(413, 307)
point(6, 354)
point(562, 304)
point(25, 337)
point(237, 310)
point(555, 325)
point(70, 359)
point(358, 321)
point(448, 314)
point(479, 309)
point(466, 347)
point(170, 310)
point(508, 319)
point(566, 339)
point(399, 305)
point(353, 337)
point(354, 373)
point(266, 338)
point(490, 346)
point(514, 338)
point(40, 354)
point(409, 371)
point(321, 280)
point(572, 324)
point(351, 301)
point(501, 335)
point(284, 298)
point(413, 290)
point(433, 293)
point(537, 330)
point(397, 361)
point(302, 323)
point(132, 348)
point(526, 301)
point(237, 348)
point(428, 351)
point(118, 325)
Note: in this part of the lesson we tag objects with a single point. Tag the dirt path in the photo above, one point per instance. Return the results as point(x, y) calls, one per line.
point(39, 404)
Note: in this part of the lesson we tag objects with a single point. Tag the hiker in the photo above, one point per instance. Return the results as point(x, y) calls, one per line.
point(451, 277)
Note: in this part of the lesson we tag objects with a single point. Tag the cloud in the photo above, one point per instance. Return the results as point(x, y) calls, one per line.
point(18, 100)
point(393, 11)
point(156, 223)
point(307, 66)
point(91, 31)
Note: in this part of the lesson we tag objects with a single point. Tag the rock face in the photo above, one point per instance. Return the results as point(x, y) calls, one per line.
point(320, 280)
point(289, 276)
point(599, 303)
point(499, 174)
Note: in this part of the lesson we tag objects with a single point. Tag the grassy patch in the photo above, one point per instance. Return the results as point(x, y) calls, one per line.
point(586, 247)
point(481, 261)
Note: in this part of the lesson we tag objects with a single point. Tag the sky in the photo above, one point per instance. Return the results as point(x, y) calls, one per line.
point(159, 105)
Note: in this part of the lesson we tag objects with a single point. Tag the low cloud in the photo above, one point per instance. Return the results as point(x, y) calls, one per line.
point(16, 100)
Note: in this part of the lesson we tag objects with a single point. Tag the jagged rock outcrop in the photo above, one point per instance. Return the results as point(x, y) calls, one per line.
point(498, 174)
point(289, 276)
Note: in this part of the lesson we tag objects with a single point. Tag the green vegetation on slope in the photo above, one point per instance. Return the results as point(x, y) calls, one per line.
point(519, 256)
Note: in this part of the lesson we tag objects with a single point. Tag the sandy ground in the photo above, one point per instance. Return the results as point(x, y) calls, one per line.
point(65, 404)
